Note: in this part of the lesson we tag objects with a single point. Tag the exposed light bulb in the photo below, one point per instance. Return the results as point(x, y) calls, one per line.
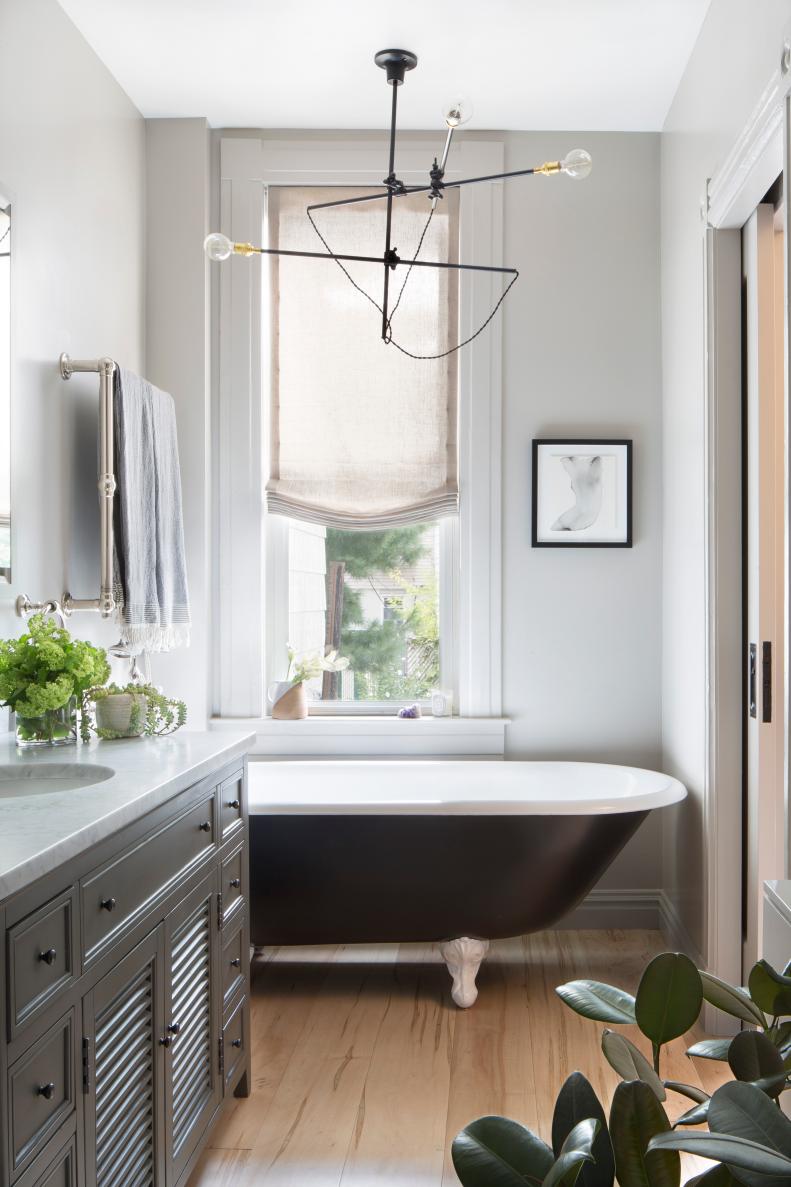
point(459, 112)
point(577, 164)
point(217, 246)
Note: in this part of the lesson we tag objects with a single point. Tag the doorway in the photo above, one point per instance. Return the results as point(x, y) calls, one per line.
point(763, 435)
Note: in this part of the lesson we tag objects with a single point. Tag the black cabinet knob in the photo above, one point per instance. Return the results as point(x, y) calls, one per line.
point(49, 957)
point(108, 904)
point(236, 963)
point(236, 1043)
point(236, 883)
point(175, 1028)
point(46, 1090)
point(165, 1041)
point(205, 826)
point(233, 804)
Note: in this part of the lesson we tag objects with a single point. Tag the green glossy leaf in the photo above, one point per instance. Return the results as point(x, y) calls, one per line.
point(688, 1090)
point(749, 1157)
point(497, 1152)
point(669, 997)
point(769, 989)
point(710, 1049)
point(694, 1116)
point(781, 1037)
point(635, 1117)
point(577, 1101)
point(752, 1056)
point(575, 1151)
point(731, 1000)
point(629, 1062)
point(718, 1176)
point(743, 1111)
point(602, 1003)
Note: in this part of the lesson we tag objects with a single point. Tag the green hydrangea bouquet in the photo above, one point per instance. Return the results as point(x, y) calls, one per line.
point(43, 675)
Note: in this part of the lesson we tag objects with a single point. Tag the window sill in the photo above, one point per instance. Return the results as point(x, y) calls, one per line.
point(373, 736)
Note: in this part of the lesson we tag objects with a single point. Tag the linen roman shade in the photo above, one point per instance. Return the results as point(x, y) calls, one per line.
point(362, 437)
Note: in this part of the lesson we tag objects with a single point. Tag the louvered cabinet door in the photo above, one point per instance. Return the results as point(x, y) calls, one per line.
point(193, 1085)
point(123, 1024)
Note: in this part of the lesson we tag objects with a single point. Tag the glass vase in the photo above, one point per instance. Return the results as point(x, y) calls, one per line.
point(55, 727)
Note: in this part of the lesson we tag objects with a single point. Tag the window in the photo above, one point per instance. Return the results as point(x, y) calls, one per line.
point(250, 592)
point(376, 598)
point(363, 455)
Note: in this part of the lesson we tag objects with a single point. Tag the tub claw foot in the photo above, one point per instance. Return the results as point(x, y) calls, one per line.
point(463, 958)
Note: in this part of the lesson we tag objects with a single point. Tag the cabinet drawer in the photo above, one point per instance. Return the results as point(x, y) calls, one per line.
point(41, 1091)
point(234, 1041)
point(60, 1171)
point(116, 896)
point(41, 958)
point(234, 882)
point(232, 965)
point(231, 805)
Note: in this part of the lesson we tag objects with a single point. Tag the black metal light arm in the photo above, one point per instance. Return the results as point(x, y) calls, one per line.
point(248, 249)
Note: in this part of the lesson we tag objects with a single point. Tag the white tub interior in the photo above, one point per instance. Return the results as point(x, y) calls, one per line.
point(455, 787)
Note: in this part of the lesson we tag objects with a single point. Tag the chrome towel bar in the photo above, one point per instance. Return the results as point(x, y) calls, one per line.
point(105, 603)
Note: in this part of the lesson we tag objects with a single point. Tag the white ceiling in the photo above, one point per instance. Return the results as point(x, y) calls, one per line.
point(554, 64)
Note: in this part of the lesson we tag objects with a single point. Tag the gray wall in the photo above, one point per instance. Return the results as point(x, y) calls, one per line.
point(72, 156)
point(581, 627)
point(735, 56)
point(177, 359)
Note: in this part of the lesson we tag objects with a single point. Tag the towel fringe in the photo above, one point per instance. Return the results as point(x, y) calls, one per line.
point(150, 637)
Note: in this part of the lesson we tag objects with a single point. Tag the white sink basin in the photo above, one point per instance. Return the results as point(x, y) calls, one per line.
point(23, 779)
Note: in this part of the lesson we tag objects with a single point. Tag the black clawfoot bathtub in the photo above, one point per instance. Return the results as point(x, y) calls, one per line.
point(448, 851)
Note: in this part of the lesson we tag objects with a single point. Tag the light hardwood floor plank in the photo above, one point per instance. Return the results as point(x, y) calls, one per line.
point(364, 1070)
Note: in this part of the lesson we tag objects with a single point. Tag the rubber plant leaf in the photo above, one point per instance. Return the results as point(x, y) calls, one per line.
point(718, 1176)
point(695, 1116)
point(629, 1062)
point(602, 1003)
point(574, 1153)
point(669, 997)
point(769, 989)
point(781, 1037)
point(742, 1111)
point(497, 1152)
point(731, 1000)
point(710, 1049)
point(577, 1101)
point(636, 1117)
point(753, 1057)
point(752, 1160)
point(689, 1090)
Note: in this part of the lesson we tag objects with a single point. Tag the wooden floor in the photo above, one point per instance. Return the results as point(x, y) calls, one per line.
point(364, 1070)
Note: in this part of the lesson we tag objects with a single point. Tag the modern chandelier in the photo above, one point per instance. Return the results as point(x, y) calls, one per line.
point(576, 164)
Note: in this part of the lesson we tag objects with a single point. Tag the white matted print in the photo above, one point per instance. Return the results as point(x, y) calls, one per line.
point(582, 494)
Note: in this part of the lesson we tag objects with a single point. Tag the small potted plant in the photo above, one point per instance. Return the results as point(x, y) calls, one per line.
point(43, 675)
point(129, 711)
point(289, 697)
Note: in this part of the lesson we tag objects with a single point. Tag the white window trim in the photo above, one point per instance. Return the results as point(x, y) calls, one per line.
point(247, 166)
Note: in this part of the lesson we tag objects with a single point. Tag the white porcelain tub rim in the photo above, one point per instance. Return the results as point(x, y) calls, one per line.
point(454, 787)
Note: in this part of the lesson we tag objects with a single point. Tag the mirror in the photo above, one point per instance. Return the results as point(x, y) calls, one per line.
point(5, 391)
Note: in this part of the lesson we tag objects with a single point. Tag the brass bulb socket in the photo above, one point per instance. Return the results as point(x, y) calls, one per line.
point(548, 168)
point(245, 249)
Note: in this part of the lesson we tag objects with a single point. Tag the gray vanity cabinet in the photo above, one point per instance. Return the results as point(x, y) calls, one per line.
point(193, 1087)
point(122, 1065)
point(124, 1018)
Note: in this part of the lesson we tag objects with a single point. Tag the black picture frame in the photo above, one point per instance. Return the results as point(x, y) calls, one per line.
point(587, 442)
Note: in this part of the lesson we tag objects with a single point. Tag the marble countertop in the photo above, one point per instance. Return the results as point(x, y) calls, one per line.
point(40, 833)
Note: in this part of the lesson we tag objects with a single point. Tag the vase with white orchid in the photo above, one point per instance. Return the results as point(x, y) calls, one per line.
point(289, 697)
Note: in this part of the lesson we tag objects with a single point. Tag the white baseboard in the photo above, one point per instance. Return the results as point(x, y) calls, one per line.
point(674, 931)
point(617, 909)
point(631, 909)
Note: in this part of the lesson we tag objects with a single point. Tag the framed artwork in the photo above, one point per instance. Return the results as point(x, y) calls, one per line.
point(582, 493)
